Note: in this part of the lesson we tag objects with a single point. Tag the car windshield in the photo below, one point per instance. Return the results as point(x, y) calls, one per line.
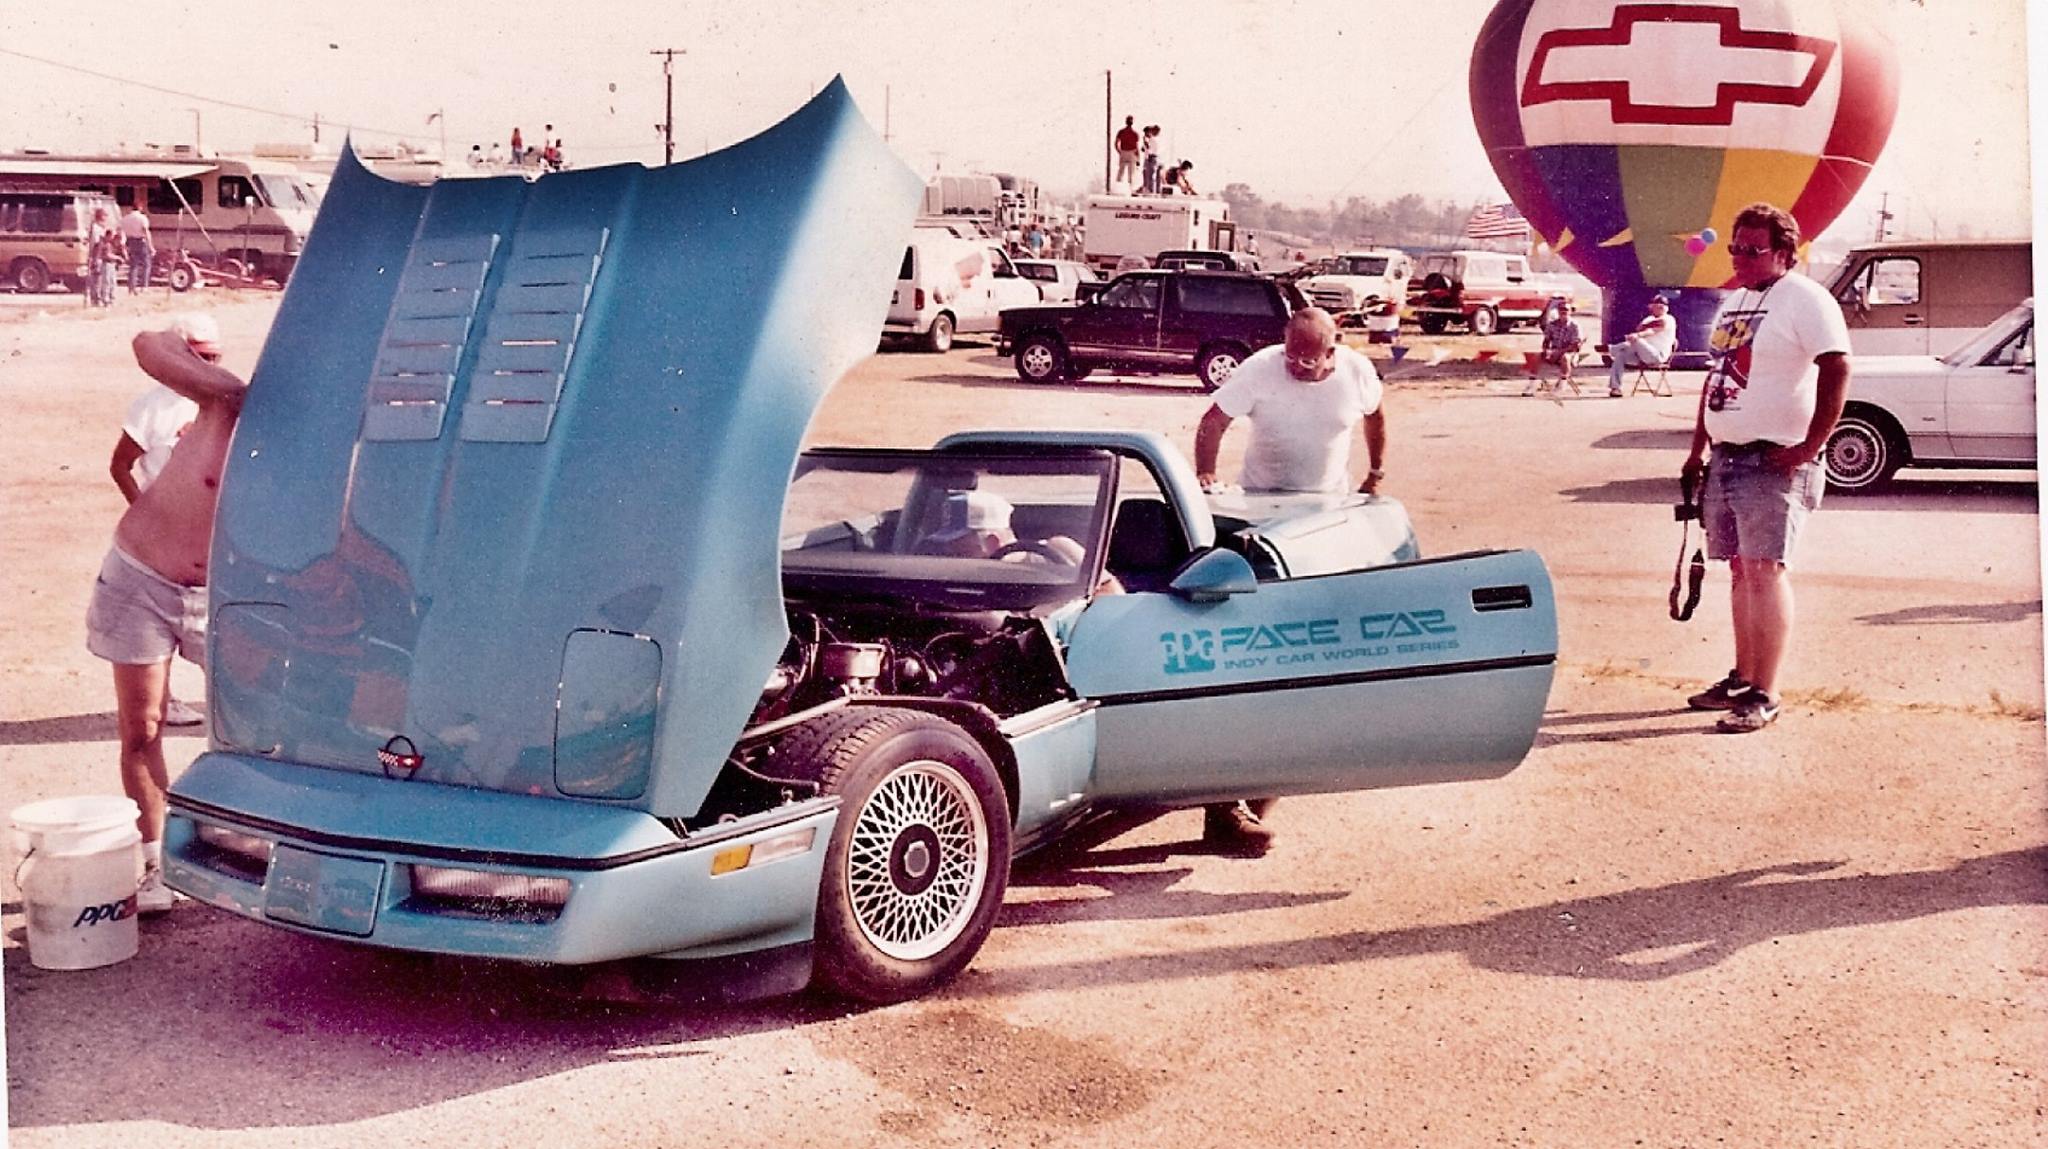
point(2004, 340)
point(288, 192)
point(954, 528)
point(1035, 269)
point(1365, 265)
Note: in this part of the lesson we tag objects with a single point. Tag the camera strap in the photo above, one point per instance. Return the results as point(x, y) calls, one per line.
point(1683, 582)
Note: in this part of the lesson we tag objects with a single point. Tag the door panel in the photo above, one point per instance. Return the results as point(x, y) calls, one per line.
point(1423, 672)
point(1122, 324)
point(1991, 406)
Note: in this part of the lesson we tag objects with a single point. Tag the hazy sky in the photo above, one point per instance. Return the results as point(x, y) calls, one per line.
point(1306, 101)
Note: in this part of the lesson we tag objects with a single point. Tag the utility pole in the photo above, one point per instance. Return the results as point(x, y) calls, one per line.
point(885, 113)
point(667, 126)
point(1108, 126)
point(316, 128)
point(1884, 215)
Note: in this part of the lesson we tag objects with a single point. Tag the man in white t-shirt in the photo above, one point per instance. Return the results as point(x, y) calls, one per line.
point(1303, 398)
point(1649, 345)
point(1777, 378)
point(156, 420)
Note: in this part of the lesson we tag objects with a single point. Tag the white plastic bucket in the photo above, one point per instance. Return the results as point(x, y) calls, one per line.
point(81, 862)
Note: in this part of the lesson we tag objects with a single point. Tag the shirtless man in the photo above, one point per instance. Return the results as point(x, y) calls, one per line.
point(150, 599)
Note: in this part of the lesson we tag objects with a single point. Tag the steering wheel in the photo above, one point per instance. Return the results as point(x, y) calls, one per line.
point(1037, 547)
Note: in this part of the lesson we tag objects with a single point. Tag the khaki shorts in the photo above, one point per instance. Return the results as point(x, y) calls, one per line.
point(139, 617)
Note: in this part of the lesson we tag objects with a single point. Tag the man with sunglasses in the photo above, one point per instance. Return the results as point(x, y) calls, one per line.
point(1777, 377)
point(1303, 397)
point(149, 601)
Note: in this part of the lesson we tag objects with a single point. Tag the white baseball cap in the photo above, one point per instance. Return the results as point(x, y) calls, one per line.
point(199, 332)
point(972, 511)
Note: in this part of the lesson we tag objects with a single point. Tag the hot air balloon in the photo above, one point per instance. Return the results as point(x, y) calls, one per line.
point(1629, 133)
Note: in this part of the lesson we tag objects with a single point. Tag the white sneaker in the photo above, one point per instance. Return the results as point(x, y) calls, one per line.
point(178, 713)
point(152, 896)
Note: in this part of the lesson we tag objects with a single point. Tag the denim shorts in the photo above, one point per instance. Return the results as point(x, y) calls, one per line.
point(1753, 511)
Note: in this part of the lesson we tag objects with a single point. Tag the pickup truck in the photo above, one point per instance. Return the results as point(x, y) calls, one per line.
point(515, 655)
point(1358, 280)
point(1160, 322)
point(1484, 291)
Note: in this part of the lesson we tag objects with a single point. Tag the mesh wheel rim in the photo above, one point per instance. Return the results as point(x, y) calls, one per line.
point(927, 796)
point(1853, 456)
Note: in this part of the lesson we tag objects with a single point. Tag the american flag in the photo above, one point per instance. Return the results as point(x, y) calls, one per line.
point(1497, 221)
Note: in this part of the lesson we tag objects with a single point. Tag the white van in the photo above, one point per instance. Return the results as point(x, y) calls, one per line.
point(1926, 297)
point(948, 284)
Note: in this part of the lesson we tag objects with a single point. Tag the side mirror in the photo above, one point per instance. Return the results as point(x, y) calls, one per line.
point(1214, 575)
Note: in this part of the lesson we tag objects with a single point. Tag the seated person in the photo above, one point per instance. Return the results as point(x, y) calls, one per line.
point(1649, 345)
point(1561, 341)
point(976, 525)
point(972, 525)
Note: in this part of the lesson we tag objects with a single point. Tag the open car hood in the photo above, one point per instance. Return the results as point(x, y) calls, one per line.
point(506, 489)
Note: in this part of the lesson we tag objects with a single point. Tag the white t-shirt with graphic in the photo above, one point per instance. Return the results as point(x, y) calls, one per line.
point(1762, 381)
point(156, 420)
point(1301, 432)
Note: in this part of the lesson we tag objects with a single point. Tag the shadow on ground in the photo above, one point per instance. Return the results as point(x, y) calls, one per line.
point(1636, 935)
point(244, 1008)
point(1955, 614)
point(1944, 496)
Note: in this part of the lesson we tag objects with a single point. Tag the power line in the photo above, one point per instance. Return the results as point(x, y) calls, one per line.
point(184, 95)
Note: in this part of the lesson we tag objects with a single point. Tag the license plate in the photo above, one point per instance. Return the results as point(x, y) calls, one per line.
point(323, 892)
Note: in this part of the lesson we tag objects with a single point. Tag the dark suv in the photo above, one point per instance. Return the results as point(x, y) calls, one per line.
point(1205, 322)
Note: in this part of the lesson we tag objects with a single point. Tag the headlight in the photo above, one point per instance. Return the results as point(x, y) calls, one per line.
point(488, 894)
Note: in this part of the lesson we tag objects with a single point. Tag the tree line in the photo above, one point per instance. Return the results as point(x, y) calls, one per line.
point(1407, 220)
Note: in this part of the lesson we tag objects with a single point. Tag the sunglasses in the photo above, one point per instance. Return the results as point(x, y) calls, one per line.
point(1748, 249)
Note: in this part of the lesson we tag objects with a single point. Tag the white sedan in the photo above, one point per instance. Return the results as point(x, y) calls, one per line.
point(1057, 279)
point(1973, 407)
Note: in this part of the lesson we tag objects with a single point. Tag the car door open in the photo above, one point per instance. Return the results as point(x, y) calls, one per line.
point(1429, 671)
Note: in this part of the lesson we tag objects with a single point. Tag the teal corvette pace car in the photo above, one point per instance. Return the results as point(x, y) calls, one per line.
point(536, 637)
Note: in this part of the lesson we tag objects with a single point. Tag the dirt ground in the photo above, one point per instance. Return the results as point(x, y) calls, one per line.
point(1830, 933)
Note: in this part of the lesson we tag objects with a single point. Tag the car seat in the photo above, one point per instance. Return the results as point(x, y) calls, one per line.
point(1145, 545)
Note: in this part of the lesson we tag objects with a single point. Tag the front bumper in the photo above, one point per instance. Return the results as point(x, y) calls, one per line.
point(345, 846)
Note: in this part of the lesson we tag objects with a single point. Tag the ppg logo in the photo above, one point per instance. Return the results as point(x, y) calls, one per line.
point(106, 912)
point(1189, 651)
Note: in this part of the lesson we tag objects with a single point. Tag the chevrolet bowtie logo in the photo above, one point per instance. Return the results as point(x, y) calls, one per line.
point(1675, 64)
point(400, 757)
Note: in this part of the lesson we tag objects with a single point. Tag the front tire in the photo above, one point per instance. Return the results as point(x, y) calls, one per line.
point(1216, 364)
point(919, 856)
point(182, 277)
point(30, 276)
point(940, 337)
point(1041, 359)
point(1862, 453)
